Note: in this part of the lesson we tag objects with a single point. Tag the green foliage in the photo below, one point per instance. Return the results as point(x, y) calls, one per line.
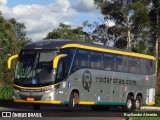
point(66, 32)
point(158, 98)
point(6, 93)
point(134, 20)
point(12, 39)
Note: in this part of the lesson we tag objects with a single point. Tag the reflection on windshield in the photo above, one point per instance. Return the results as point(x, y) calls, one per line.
point(24, 69)
point(34, 68)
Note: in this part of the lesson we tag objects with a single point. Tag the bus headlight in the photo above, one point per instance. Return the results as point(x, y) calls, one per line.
point(16, 91)
point(48, 91)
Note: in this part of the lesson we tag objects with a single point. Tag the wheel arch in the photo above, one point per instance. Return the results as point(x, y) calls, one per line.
point(73, 90)
point(130, 94)
point(139, 94)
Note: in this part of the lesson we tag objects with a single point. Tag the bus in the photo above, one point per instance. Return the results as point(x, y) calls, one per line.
point(71, 73)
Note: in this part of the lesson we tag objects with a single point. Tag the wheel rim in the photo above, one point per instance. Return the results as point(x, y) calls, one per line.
point(129, 104)
point(73, 102)
point(137, 104)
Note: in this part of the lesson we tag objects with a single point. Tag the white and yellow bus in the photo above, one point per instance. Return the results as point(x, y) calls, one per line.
point(72, 72)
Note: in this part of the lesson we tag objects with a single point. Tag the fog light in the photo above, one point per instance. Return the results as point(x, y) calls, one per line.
point(48, 91)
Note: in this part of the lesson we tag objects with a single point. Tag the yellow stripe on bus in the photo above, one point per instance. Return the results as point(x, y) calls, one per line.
point(41, 101)
point(86, 103)
point(109, 51)
point(35, 88)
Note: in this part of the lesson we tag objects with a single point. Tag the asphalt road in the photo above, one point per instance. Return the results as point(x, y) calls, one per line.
point(60, 113)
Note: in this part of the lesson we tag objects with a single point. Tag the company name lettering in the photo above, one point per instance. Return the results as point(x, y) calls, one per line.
point(115, 80)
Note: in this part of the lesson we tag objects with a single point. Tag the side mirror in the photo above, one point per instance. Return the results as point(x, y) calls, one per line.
point(61, 70)
point(10, 59)
point(56, 59)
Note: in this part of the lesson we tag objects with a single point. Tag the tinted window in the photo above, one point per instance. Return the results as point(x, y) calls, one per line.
point(81, 59)
point(153, 66)
point(133, 65)
point(65, 63)
point(122, 63)
point(150, 66)
point(142, 66)
point(47, 56)
point(109, 61)
point(96, 60)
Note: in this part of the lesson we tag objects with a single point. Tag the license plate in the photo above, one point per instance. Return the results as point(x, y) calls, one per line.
point(30, 99)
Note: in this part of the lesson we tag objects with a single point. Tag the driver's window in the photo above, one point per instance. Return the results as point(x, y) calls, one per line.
point(64, 63)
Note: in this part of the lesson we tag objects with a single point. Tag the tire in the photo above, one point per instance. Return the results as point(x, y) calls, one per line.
point(129, 104)
point(138, 103)
point(36, 107)
point(73, 100)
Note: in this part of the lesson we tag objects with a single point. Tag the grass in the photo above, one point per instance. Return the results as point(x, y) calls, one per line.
point(6, 93)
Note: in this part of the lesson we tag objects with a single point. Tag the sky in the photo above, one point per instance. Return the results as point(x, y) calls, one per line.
point(42, 16)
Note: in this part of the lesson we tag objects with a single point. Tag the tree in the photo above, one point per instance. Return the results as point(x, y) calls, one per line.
point(19, 30)
point(10, 44)
point(155, 32)
point(66, 32)
point(155, 26)
point(128, 16)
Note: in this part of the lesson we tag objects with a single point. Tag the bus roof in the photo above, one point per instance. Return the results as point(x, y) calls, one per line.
point(56, 44)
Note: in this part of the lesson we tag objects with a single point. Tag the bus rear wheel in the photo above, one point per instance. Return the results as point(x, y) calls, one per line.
point(129, 104)
point(73, 100)
point(138, 102)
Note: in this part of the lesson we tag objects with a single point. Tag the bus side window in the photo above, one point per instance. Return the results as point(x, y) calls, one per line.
point(64, 63)
point(153, 66)
point(133, 65)
point(150, 66)
point(81, 60)
point(108, 62)
point(142, 66)
point(96, 60)
point(122, 63)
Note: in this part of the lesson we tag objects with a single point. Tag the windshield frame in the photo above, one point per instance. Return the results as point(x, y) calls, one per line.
point(33, 69)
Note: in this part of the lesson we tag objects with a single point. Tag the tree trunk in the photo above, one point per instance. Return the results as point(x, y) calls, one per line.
point(128, 35)
point(156, 49)
point(158, 80)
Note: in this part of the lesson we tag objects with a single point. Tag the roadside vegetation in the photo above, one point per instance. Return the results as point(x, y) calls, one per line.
point(6, 93)
point(158, 98)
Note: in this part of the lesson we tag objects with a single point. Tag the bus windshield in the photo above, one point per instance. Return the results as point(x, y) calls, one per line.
point(35, 68)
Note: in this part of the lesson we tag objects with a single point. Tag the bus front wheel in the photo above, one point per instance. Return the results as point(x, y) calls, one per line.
point(73, 100)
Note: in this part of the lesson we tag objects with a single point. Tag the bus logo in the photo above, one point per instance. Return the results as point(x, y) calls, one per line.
point(86, 80)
